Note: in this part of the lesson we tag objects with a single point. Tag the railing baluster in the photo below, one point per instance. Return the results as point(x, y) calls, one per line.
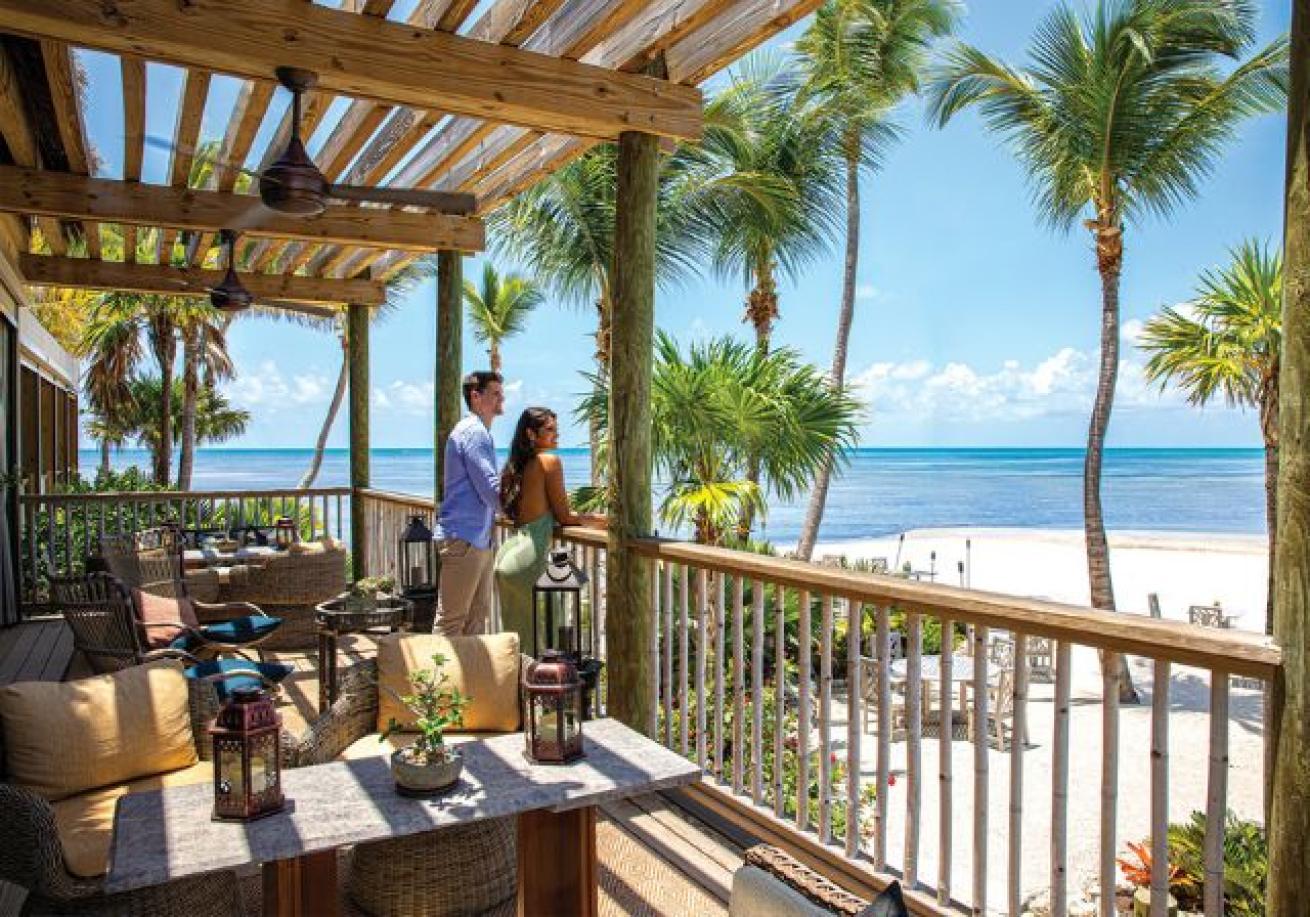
point(702, 639)
point(668, 654)
point(779, 695)
point(683, 660)
point(1216, 797)
point(883, 680)
point(1060, 783)
point(981, 729)
point(1109, 779)
point(653, 649)
point(738, 681)
point(757, 692)
point(854, 719)
point(803, 718)
point(1018, 737)
point(1160, 788)
point(913, 746)
point(720, 674)
point(945, 780)
point(825, 720)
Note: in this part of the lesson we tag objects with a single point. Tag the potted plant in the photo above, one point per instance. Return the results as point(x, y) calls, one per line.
point(428, 765)
point(364, 594)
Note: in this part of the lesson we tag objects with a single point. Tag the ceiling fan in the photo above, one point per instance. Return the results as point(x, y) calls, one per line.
point(232, 298)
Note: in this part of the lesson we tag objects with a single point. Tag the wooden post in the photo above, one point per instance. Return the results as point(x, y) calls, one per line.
point(632, 341)
point(357, 319)
point(1288, 720)
point(449, 404)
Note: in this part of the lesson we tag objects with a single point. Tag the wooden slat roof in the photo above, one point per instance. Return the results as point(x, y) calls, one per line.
point(376, 136)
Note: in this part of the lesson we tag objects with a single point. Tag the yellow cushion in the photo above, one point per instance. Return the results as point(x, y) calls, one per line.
point(85, 823)
point(63, 738)
point(485, 668)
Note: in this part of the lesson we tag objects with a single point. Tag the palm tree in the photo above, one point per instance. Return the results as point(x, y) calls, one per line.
point(334, 407)
point(1121, 113)
point(861, 58)
point(499, 308)
point(723, 402)
point(216, 421)
point(1226, 343)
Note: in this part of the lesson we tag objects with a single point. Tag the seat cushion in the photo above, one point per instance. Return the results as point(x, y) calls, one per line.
point(158, 609)
point(86, 822)
point(64, 738)
point(273, 671)
point(237, 631)
point(484, 668)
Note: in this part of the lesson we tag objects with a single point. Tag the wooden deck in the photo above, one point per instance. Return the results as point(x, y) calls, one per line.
point(37, 650)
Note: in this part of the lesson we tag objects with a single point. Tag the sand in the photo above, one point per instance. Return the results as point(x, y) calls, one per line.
point(1182, 569)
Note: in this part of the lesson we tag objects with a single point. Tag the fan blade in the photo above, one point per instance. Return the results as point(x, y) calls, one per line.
point(300, 308)
point(447, 202)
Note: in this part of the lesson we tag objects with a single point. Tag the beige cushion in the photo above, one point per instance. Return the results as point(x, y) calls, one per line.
point(63, 738)
point(486, 668)
point(307, 547)
point(158, 609)
point(756, 893)
point(85, 823)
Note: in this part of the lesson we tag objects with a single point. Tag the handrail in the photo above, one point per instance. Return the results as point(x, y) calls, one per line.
point(391, 496)
point(157, 496)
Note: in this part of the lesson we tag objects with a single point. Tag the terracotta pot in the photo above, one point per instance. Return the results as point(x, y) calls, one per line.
point(418, 778)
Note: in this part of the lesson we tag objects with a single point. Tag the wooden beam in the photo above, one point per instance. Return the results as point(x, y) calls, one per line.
point(76, 197)
point(18, 137)
point(87, 274)
point(357, 319)
point(134, 135)
point(632, 333)
point(739, 28)
point(449, 351)
point(65, 96)
point(186, 133)
point(388, 62)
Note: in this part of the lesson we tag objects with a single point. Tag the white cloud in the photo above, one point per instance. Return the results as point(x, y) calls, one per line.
point(266, 388)
point(415, 398)
point(867, 291)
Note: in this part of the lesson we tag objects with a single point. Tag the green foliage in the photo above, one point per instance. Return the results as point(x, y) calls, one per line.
point(1246, 864)
point(437, 706)
point(499, 308)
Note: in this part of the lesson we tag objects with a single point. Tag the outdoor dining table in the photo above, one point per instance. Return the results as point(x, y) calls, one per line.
point(930, 674)
point(168, 834)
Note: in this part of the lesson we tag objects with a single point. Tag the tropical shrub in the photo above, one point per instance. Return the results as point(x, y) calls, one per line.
point(1246, 864)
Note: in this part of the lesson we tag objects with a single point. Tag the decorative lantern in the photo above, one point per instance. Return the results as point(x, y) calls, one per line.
point(552, 709)
point(558, 594)
point(284, 532)
point(247, 759)
point(418, 571)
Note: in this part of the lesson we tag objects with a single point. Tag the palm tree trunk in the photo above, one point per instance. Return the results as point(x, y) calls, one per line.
point(104, 458)
point(493, 355)
point(761, 312)
point(819, 495)
point(164, 448)
point(191, 338)
point(1269, 431)
point(1109, 252)
point(603, 371)
point(338, 395)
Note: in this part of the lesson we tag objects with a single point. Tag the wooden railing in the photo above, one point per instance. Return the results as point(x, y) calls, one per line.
point(747, 669)
point(59, 531)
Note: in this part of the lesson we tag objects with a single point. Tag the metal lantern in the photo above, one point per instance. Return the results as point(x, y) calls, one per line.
point(284, 532)
point(418, 571)
point(557, 595)
point(552, 709)
point(247, 759)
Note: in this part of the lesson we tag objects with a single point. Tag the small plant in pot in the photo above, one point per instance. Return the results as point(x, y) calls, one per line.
point(429, 765)
point(365, 594)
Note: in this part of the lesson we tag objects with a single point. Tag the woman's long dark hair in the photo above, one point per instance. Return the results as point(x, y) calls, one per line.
point(521, 451)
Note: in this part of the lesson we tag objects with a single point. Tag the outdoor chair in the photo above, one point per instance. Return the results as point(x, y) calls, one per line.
point(149, 564)
point(413, 876)
point(1041, 659)
point(1000, 710)
point(869, 686)
point(68, 752)
point(1209, 616)
point(108, 633)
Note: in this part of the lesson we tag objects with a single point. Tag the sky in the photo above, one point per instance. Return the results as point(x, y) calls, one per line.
point(975, 325)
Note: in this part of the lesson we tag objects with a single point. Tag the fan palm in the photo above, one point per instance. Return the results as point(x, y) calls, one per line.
point(499, 308)
point(1120, 114)
point(217, 421)
point(860, 59)
point(1225, 344)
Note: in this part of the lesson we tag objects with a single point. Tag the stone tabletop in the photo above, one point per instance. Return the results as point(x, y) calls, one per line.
point(168, 834)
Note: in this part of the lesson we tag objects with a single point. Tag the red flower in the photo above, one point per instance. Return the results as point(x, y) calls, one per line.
point(833, 757)
point(891, 780)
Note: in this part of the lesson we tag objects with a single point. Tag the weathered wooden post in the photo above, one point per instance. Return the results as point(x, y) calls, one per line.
point(449, 370)
point(630, 628)
point(1289, 716)
point(357, 321)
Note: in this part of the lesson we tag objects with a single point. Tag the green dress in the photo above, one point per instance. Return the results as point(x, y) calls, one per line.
point(519, 562)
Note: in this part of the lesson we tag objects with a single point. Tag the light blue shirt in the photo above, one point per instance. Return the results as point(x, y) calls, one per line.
point(472, 485)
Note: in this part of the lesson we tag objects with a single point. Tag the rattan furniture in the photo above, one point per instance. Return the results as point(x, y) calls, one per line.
point(334, 620)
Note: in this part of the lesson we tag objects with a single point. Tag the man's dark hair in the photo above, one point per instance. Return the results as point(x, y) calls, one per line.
point(478, 382)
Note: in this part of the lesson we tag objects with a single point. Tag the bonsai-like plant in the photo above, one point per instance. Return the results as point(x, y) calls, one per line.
point(437, 706)
point(363, 594)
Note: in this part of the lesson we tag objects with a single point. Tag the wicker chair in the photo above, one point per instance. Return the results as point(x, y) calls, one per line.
point(413, 876)
point(151, 561)
point(287, 584)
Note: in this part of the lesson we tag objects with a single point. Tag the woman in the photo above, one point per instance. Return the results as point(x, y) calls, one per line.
point(533, 498)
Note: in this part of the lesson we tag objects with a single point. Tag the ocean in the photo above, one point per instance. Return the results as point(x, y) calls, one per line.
point(880, 491)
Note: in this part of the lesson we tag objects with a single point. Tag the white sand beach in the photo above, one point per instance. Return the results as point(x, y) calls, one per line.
point(1182, 569)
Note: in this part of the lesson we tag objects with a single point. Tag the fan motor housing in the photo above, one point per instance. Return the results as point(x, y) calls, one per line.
point(293, 184)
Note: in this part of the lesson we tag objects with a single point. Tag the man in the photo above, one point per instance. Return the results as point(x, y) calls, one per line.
point(468, 511)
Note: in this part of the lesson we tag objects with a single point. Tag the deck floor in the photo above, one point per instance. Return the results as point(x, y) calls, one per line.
point(39, 649)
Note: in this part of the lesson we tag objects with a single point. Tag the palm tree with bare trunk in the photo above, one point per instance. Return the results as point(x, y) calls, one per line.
point(499, 308)
point(1121, 112)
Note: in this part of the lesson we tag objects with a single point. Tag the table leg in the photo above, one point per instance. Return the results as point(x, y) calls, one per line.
point(302, 887)
point(327, 669)
point(557, 863)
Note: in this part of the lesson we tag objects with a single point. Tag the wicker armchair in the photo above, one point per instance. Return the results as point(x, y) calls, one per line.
point(287, 584)
point(772, 882)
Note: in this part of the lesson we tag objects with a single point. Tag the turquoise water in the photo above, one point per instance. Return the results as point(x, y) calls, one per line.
point(881, 491)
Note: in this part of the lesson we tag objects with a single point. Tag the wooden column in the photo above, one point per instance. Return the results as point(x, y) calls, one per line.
point(1289, 715)
point(631, 341)
point(449, 369)
point(357, 318)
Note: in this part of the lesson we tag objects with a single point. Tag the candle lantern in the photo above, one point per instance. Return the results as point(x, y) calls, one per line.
point(557, 596)
point(284, 532)
point(418, 571)
point(247, 759)
point(552, 709)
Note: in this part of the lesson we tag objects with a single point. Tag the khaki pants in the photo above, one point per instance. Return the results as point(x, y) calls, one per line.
point(464, 603)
